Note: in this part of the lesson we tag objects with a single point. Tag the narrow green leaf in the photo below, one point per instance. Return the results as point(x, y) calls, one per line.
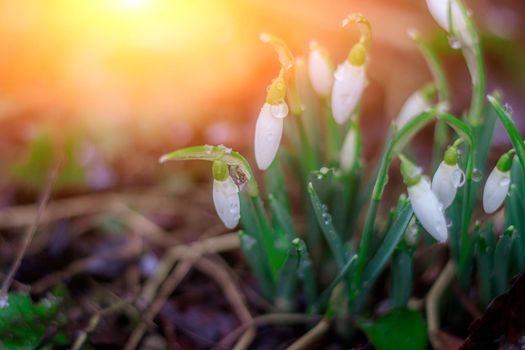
point(400, 329)
point(389, 244)
point(325, 222)
point(249, 248)
point(402, 274)
point(510, 127)
point(323, 299)
point(305, 272)
point(502, 259)
point(485, 244)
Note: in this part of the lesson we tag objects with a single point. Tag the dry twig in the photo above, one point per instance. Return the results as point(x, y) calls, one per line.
point(432, 301)
point(30, 232)
point(312, 335)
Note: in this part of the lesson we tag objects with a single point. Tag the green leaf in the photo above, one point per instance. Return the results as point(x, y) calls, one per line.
point(261, 270)
point(347, 269)
point(23, 323)
point(510, 127)
point(389, 244)
point(484, 250)
point(325, 221)
point(402, 274)
point(400, 329)
point(502, 258)
point(305, 272)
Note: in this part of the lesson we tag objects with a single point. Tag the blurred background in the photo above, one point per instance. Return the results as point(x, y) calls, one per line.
point(110, 85)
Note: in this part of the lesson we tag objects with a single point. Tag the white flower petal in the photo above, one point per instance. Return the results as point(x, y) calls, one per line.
point(439, 10)
point(226, 200)
point(348, 152)
point(445, 183)
point(268, 132)
point(348, 87)
point(428, 209)
point(413, 106)
point(495, 191)
point(320, 73)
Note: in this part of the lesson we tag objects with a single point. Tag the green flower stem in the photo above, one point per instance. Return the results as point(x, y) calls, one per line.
point(333, 134)
point(212, 153)
point(396, 142)
point(474, 58)
point(467, 134)
point(440, 131)
point(510, 127)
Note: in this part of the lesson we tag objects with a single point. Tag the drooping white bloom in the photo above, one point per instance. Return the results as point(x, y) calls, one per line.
point(268, 133)
point(439, 9)
point(496, 189)
point(348, 152)
point(446, 181)
point(428, 209)
point(413, 106)
point(320, 70)
point(349, 83)
point(226, 200)
point(426, 206)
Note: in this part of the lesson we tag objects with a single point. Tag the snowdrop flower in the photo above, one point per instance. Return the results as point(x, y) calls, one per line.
point(443, 11)
point(498, 183)
point(269, 127)
point(349, 152)
point(320, 70)
point(350, 77)
point(416, 104)
point(427, 208)
point(448, 176)
point(225, 195)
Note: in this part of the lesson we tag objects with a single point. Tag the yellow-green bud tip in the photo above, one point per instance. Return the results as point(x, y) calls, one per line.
point(411, 173)
point(505, 162)
point(357, 55)
point(451, 156)
point(220, 170)
point(276, 91)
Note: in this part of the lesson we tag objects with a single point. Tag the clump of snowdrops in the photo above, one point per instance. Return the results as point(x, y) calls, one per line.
point(325, 261)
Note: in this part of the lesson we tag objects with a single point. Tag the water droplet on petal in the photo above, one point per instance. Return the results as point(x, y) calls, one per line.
point(476, 175)
point(279, 110)
point(449, 223)
point(504, 181)
point(458, 178)
point(440, 207)
point(454, 43)
point(339, 74)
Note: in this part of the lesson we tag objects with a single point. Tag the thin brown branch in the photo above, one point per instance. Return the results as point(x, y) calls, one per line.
point(30, 232)
point(312, 335)
point(432, 301)
point(267, 319)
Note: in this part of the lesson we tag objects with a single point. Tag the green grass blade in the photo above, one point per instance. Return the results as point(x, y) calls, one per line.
point(485, 244)
point(389, 244)
point(502, 258)
point(402, 274)
point(325, 222)
point(252, 254)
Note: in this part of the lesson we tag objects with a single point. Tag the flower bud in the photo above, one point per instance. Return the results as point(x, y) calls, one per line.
point(350, 77)
point(427, 208)
point(497, 185)
point(320, 70)
point(226, 200)
point(269, 126)
point(443, 11)
point(448, 177)
point(415, 104)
